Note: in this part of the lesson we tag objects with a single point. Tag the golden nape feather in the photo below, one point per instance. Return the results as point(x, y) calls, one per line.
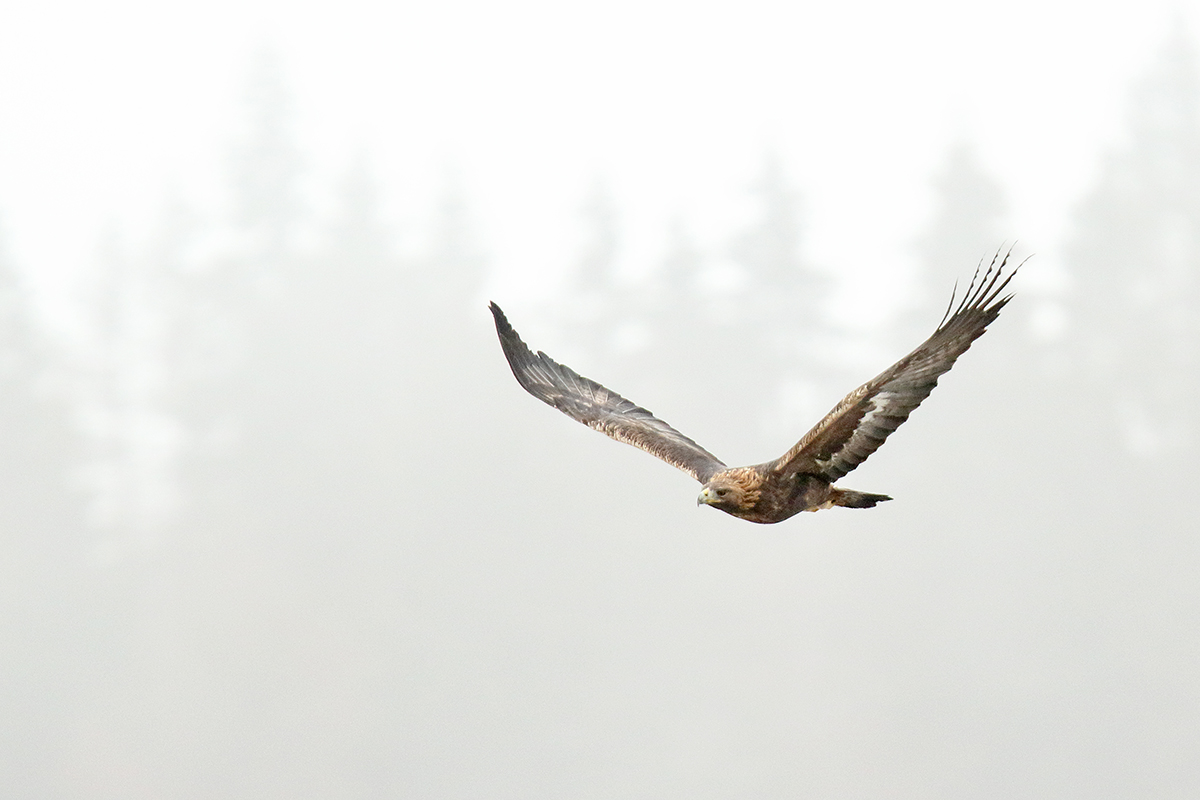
point(802, 478)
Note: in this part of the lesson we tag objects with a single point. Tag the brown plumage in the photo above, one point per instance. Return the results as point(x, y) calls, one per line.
point(802, 478)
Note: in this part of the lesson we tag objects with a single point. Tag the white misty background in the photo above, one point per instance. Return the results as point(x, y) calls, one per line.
point(278, 522)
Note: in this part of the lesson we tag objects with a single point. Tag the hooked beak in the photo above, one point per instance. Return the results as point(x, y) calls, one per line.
point(705, 497)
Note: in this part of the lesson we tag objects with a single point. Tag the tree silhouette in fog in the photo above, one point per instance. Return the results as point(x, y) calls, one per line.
point(327, 386)
point(446, 335)
point(129, 373)
point(768, 249)
point(40, 446)
point(49, 614)
point(311, 323)
point(1135, 260)
point(591, 306)
point(678, 319)
point(235, 339)
point(779, 308)
point(357, 228)
point(966, 226)
point(266, 166)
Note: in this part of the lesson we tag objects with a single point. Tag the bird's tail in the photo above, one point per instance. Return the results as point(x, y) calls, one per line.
point(852, 499)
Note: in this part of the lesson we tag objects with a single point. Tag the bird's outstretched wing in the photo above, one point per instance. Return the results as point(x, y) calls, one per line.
point(858, 425)
point(597, 407)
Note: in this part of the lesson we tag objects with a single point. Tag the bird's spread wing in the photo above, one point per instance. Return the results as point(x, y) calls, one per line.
point(859, 424)
point(597, 407)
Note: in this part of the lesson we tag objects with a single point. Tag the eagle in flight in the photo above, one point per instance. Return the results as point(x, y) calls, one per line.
point(802, 478)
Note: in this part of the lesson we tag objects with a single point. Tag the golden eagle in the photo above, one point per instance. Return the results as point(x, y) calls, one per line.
point(802, 478)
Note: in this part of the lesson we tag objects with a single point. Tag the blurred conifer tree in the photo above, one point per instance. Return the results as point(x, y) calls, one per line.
point(1135, 261)
point(966, 227)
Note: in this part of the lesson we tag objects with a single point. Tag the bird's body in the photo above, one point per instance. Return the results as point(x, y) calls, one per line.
point(801, 479)
point(763, 493)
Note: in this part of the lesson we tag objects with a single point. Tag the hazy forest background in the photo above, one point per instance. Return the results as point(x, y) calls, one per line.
point(277, 521)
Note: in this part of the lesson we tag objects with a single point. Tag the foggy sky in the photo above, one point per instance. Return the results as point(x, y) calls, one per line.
point(279, 522)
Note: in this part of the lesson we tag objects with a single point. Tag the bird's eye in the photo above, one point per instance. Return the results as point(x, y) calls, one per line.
point(721, 492)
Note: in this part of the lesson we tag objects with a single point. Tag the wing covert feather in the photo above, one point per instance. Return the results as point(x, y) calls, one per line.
point(863, 420)
point(599, 408)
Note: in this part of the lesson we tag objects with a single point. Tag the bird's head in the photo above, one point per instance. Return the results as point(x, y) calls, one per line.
point(720, 492)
